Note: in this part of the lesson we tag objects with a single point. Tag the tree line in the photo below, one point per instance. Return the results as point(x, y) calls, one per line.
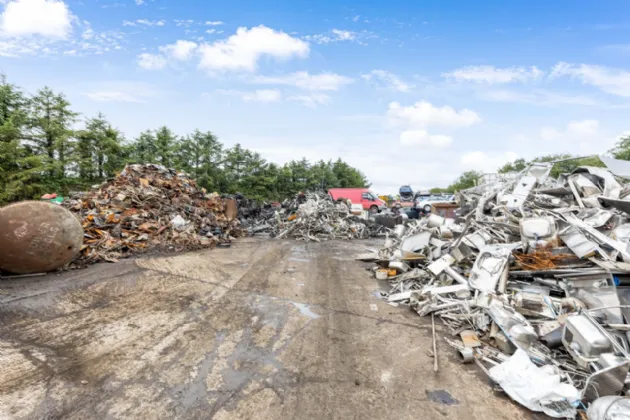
point(566, 163)
point(42, 151)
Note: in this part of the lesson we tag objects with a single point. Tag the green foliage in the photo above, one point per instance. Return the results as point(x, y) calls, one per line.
point(516, 166)
point(567, 165)
point(40, 152)
point(438, 190)
point(466, 180)
point(48, 129)
point(99, 149)
point(20, 168)
point(622, 148)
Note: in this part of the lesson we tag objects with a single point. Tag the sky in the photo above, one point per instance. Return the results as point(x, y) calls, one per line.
point(409, 92)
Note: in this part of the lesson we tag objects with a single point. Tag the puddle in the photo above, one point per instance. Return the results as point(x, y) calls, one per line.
point(379, 295)
point(305, 310)
point(441, 397)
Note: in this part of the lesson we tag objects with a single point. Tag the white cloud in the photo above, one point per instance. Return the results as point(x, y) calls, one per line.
point(180, 50)
point(335, 35)
point(242, 50)
point(356, 18)
point(119, 91)
point(147, 22)
point(388, 79)
point(263, 95)
point(344, 35)
point(151, 61)
point(140, 2)
point(304, 80)
point(312, 100)
point(424, 114)
point(48, 18)
point(103, 96)
point(260, 95)
point(186, 23)
point(214, 23)
point(422, 138)
point(537, 97)
point(575, 130)
point(493, 75)
point(486, 162)
point(610, 80)
point(580, 137)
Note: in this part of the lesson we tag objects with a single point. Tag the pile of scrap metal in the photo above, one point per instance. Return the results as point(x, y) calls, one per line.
point(254, 215)
point(150, 207)
point(535, 279)
point(316, 217)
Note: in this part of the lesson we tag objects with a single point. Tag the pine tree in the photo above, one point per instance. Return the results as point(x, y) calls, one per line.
point(144, 149)
point(165, 143)
point(200, 154)
point(50, 121)
point(99, 149)
point(20, 169)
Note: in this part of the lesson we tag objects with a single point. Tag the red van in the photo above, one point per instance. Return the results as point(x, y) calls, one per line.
point(362, 196)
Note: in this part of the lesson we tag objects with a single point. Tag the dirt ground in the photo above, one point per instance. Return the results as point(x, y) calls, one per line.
point(264, 330)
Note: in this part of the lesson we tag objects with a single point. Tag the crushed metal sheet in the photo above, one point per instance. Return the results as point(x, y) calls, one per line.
point(513, 277)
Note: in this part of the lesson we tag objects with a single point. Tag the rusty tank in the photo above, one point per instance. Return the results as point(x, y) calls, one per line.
point(37, 237)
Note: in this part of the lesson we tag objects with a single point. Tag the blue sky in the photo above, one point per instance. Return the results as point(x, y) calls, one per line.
point(409, 92)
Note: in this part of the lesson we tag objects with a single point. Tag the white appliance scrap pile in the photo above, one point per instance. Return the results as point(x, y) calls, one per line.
point(320, 218)
point(534, 279)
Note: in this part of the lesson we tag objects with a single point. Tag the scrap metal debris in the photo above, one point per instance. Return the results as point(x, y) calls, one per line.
point(150, 207)
point(534, 276)
point(316, 217)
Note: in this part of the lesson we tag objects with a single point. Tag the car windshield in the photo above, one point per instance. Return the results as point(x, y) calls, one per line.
point(406, 190)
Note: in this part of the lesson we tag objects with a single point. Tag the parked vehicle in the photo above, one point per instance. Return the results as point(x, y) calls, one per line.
point(406, 193)
point(362, 196)
point(423, 204)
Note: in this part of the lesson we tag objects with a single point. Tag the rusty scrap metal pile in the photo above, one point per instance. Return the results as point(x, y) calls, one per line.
point(533, 281)
point(317, 217)
point(150, 207)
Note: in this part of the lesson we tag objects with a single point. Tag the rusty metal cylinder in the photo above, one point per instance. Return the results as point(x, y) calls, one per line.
point(37, 237)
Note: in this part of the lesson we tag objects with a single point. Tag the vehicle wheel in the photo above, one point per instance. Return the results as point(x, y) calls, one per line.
point(374, 209)
point(427, 208)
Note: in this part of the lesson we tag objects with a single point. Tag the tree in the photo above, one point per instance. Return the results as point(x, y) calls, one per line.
point(438, 190)
point(41, 150)
point(622, 148)
point(49, 123)
point(165, 143)
point(466, 180)
point(99, 149)
point(348, 176)
point(20, 169)
point(144, 148)
point(566, 163)
point(200, 154)
point(516, 166)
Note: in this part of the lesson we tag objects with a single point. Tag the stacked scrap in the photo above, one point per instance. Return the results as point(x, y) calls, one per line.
point(316, 217)
point(535, 279)
point(150, 207)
